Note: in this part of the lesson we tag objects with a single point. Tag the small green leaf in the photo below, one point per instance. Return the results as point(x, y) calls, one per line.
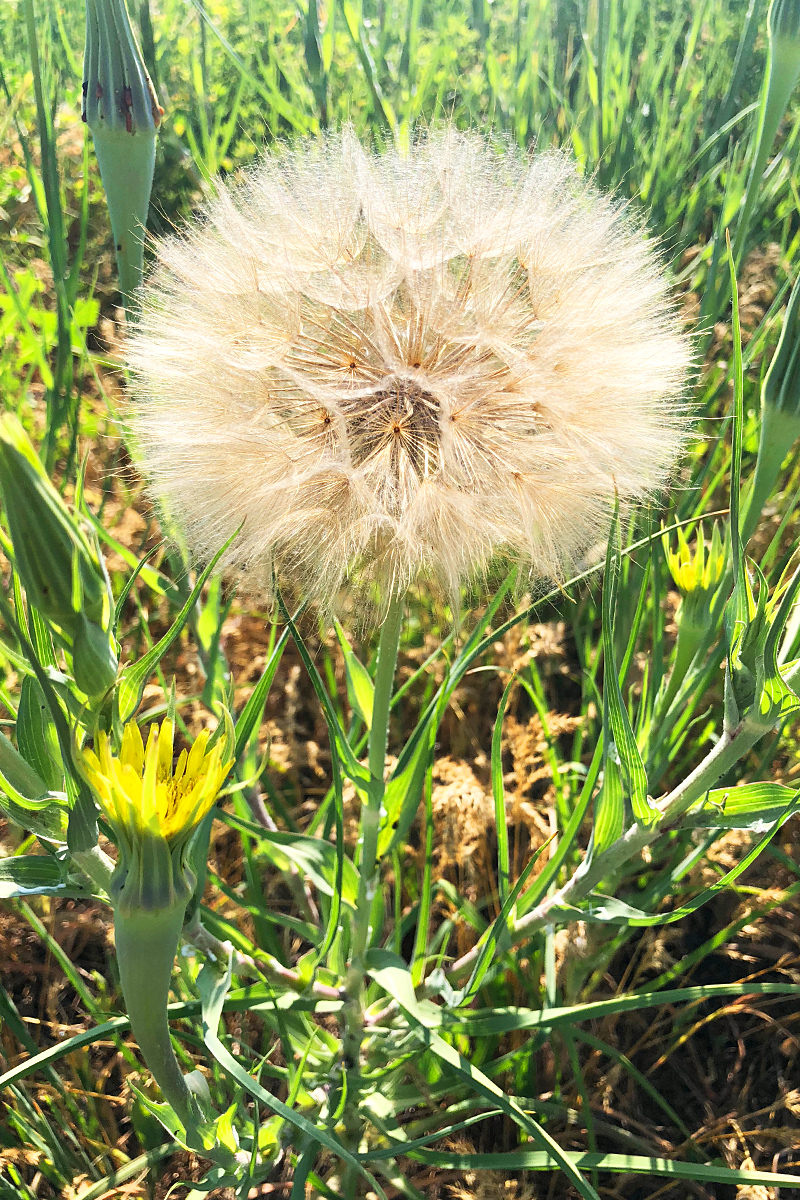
point(499, 796)
point(617, 729)
point(360, 689)
point(350, 765)
point(753, 806)
point(19, 780)
point(402, 795)
point(253, 710)
point(30, 875)
point(391, 973)
point(48, 822)
point(609, 807)
point(314, 858)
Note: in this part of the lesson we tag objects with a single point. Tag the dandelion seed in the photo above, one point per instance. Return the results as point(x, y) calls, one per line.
point(387, 366)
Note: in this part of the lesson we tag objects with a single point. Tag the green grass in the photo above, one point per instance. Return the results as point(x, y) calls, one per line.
point(484, 1030)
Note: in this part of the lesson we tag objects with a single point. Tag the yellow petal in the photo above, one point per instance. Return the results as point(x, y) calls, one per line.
point(132, 750)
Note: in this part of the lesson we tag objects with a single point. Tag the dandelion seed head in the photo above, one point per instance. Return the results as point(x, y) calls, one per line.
point(386, 366)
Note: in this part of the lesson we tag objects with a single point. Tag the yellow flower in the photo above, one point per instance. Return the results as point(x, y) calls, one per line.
point(698, 568)
point(141, 793)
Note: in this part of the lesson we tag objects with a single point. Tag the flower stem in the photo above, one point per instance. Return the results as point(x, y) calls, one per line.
point(372, 810)
point(369, 872)
point(146, 941)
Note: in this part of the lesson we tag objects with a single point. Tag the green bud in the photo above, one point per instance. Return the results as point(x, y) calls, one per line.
point(48, 545)
point(783, 24)
point(122, 111)
point(94, 660)
point(61, 570)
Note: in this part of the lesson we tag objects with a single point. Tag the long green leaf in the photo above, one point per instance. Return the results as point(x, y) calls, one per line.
point(132, 680)
point(615, 712)
point(623, 1164)
point(754, 806)
point(386, 970)
point(30, 875)
point(254, 708)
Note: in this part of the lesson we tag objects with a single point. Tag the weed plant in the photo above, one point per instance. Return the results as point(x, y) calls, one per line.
point(466, 1045)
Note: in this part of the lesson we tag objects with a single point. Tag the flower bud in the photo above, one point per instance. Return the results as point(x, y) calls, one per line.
point(697, 572)
point(121, 108)
point(61, 572)
point(94, 660)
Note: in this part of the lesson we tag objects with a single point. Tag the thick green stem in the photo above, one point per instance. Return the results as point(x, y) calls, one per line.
point(369, 872)
point(372, 810)
point(731, 747)
point(146, 941)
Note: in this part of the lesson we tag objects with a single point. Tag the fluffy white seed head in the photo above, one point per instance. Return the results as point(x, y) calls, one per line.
point(387, 366)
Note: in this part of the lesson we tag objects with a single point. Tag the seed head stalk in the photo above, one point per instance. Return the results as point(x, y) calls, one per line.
point(369, 867)
point(378, 740)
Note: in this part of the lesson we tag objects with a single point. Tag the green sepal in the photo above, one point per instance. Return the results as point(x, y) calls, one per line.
point(151, 876)
point(146, 942)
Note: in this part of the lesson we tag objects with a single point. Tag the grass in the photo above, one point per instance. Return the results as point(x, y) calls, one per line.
point(626, 1040)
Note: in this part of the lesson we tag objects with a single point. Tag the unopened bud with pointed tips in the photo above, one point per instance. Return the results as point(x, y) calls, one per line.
point(60, 568)
point(121, 108)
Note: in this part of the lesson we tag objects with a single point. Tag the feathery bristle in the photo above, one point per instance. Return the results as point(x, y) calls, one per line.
point(386, 366)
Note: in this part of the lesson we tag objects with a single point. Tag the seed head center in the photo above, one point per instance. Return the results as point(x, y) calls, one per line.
point(396, 426)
